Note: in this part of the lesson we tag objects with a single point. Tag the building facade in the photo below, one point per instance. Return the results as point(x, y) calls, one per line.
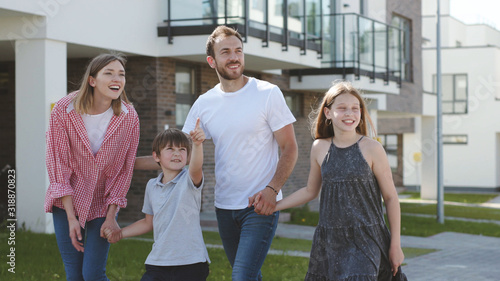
point(470, 56)
point(302, 46)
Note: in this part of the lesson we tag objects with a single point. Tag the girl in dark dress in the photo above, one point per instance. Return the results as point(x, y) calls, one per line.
point(352, 172)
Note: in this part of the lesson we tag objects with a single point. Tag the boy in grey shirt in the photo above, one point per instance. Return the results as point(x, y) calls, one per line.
point(172, 210)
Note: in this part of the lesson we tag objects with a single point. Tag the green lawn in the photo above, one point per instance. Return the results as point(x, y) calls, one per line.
point(427, 226)
point(37, 256)
point(470, 198)
point(126, 260)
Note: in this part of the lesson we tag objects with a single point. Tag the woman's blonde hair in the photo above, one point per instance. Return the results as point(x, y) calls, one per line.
point(321, 129)
point(84, 98)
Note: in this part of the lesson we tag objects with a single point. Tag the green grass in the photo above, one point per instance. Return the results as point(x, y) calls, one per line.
point(422, 226)
point(126, 259)
point(452, 211)
point(415, 252)
point(37, 258)
point(470, 198)
point(425, 227)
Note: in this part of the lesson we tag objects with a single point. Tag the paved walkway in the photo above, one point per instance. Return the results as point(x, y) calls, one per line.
point(459, 257)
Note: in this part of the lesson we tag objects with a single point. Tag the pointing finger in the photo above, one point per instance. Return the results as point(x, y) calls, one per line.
point(197, 126)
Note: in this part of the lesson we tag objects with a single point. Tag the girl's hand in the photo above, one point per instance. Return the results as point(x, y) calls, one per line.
point(396, 257)
point(197, 135)
point(75, 234)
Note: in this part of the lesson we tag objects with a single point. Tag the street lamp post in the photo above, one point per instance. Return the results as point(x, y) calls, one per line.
point(440, 188)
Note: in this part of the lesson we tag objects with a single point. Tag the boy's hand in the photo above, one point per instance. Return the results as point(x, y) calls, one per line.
point(197, 135)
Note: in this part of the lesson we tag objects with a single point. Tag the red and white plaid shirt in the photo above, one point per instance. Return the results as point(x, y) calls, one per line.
point(95, 182)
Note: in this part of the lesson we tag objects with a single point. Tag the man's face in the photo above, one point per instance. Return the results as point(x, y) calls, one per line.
point(229, 59)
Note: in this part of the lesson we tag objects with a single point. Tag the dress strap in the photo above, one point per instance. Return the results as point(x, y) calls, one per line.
point(329, 149)
point(359, 139)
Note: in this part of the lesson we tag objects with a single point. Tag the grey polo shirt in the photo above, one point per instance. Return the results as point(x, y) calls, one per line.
point(175, 207)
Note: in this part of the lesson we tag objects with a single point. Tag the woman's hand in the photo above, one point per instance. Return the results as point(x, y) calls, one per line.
point(109, 226)
point(75, 234)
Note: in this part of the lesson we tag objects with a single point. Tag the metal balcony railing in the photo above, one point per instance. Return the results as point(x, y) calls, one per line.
point(345, 43)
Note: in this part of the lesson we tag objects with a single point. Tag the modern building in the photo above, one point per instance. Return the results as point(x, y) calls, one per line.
point(470, 59)
point(300, 45)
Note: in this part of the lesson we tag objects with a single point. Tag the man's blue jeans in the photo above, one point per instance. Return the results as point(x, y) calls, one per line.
point(246, 237)
point(90, 265)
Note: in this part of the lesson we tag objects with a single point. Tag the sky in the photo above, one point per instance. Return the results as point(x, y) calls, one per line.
point(477, 11)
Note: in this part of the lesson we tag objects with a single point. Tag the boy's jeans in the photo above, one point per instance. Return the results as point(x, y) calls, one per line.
point(90, 265)
point(246, 237)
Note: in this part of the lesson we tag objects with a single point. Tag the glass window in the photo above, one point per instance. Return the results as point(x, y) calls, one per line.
point(184, 92)
point(454, 92)
point(390, 144)
point(404, 25)
point(294, 102)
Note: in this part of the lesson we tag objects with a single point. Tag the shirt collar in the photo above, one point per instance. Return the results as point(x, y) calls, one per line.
point(71, 106)
point(174, 180)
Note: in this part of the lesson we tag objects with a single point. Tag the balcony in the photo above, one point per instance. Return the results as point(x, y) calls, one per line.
point(272, 41)
point(300, 38)
point(356, 48)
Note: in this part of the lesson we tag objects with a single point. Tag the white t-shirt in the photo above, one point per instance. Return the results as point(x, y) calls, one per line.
point(241, 125)
point(96, 126)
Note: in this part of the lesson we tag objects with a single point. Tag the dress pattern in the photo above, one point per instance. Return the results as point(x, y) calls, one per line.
point(351, 241)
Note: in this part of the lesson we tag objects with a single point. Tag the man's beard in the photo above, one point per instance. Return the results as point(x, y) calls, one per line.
point(230, 76)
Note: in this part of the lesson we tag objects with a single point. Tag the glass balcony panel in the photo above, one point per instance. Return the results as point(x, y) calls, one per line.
point(366, 47)
point(234, 10)
point(394, 52)
point(313, 11)
point(257, 11)
point(183, 12)
point(295, 17)
point(276, 13)
point(380, 47)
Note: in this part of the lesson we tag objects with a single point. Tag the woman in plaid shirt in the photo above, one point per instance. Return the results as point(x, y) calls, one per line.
point(92, 141)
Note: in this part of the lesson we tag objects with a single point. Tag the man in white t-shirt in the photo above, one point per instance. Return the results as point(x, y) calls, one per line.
point(249, 123)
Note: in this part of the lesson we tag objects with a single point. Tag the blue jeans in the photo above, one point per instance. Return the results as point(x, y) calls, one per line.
point(89, 265)
point(246, 237)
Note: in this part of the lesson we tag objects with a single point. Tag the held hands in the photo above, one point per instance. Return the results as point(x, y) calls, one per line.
point(263, 201)
point(113, 236)
point(110, 230)
point(197, 135)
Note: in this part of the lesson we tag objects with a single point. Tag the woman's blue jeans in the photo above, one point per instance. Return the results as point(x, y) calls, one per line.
point(89, 265)
point(246, 237)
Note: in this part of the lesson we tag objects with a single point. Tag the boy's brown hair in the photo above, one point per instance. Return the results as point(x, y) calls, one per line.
point(172, 137)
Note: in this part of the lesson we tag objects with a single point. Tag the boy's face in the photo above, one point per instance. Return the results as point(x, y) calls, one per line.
point(172, 157)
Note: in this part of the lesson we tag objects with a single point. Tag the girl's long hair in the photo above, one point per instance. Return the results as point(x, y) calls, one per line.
point(319, 127)
point(84, 99)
